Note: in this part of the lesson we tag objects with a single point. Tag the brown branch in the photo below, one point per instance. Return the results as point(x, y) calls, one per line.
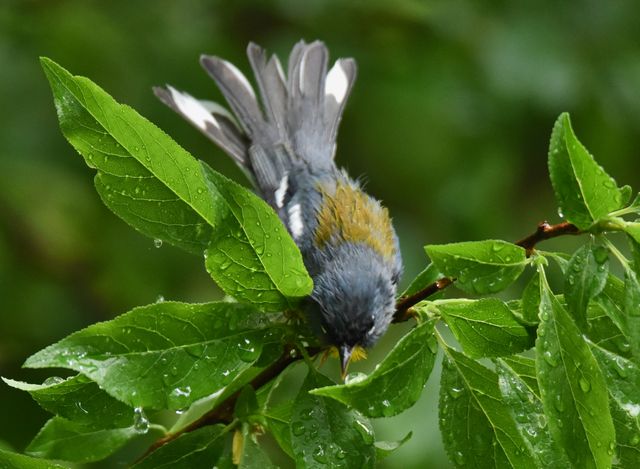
point(405, 303)
point(546, 231)
point(543, 232)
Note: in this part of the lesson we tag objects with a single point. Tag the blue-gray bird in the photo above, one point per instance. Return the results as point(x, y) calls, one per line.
point(286, 146)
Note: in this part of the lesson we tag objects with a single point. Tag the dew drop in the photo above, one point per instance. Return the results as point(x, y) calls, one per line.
point(82, 409)
point(584, 385)
point(355, 377)
point(550, 358)
point(157, 243)
point(559, 405)
point(181, 392)
point(620, 367)
point(455, 393)
point(320, 456)
point(365, 431)
point(247, 351)
point(297, 428)
point(52, 381)
point(160, 299)
point(140, 420)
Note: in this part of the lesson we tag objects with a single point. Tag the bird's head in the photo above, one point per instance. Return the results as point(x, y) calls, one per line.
point(355, 297)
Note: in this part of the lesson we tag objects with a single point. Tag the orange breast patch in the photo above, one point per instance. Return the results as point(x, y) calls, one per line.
point(351, 215)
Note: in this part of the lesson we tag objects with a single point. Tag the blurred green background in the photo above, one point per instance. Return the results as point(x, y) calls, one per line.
point(449, 121)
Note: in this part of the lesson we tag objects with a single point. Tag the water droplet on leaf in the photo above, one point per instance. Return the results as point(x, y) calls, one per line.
point(140, 420)
point(52, 381)
point(584, 385)
point(297, 428)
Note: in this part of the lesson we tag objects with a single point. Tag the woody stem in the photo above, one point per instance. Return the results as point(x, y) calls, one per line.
point(543, 232)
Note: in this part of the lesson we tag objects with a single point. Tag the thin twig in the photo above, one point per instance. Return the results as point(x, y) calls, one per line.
point(404, 304)
point(546, 231)
point(543, 232)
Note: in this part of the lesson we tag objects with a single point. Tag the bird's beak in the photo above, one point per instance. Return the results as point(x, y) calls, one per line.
point(345, 358)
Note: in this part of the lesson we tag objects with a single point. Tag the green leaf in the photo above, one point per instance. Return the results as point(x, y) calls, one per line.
point(252, 456)
point(198, 448)
point(585, 278)
point(584, 191)
point(635, 249)
point(485, 327)
point(156, 186)
point(612, 302)
point(531, 300)
point(476, 430)
point(480, 267)
point(143, 176)
point(574, 393)
point(251, 255)
point(633, 230)
point(623, 380)
point(604, 333)
point(526, 409)
point(277, 416)
point(9, 460)
point(324, 433)
point(397, 382)
point(525, 369)
point(78, 399)
point(278, 419)
point(166, 355)
point(632, 312)
point(385, 448)
point(71, 441)
point(246, 404)
point(207, 403)
point(429, 275)
point(626, 192)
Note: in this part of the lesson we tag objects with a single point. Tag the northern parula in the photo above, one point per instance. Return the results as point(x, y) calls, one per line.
point(286, 147)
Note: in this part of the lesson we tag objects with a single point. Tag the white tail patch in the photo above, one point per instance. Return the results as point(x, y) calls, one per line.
point(295, 220)
point(337, 82)
point(302, 66)
point(282, 190)
point(279, 69)
point(240, 76)
point(192, 109)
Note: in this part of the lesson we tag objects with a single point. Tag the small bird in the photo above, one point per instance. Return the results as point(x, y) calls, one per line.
point(286, 147)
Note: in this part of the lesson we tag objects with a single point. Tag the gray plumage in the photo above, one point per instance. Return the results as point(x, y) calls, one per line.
point(286, 146)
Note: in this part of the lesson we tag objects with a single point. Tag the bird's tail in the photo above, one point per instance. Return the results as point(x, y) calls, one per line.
point(297, 119)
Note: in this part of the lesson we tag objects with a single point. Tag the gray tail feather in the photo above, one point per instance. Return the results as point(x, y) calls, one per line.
point(298, 118)
point(212, 119)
